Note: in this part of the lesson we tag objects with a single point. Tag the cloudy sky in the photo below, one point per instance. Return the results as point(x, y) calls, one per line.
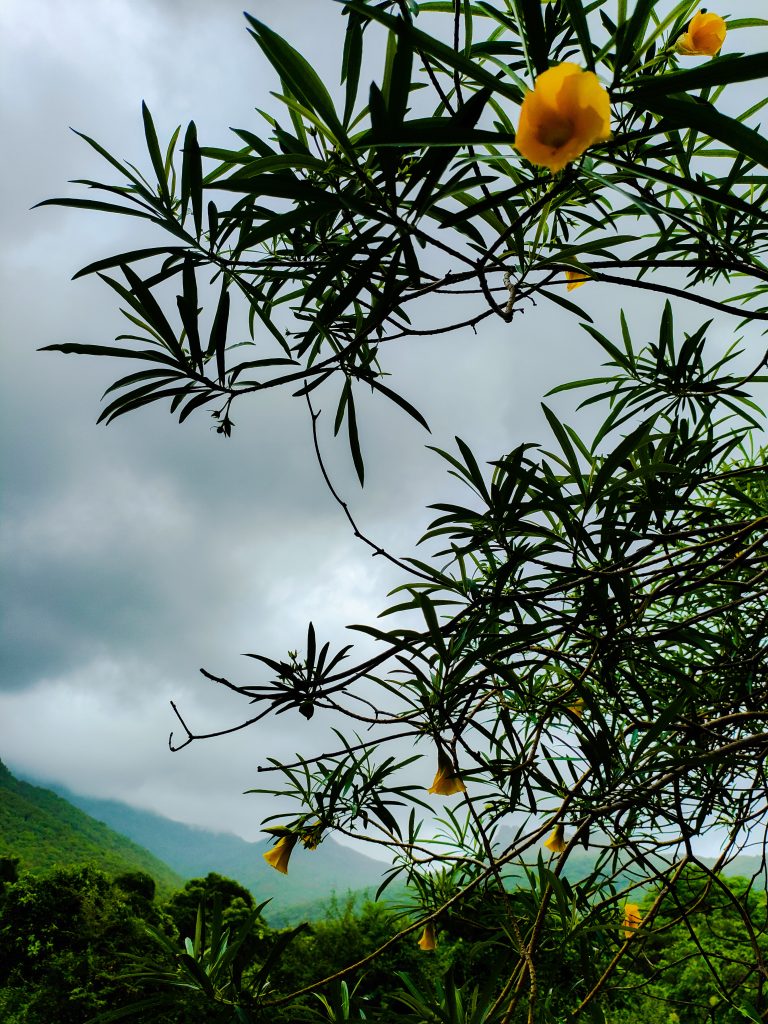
point(134, 554)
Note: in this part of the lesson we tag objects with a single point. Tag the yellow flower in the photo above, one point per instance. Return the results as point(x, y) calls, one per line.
point(577, 708)
point(428, 938)
point(556, 842)
point(632, 918)
point(280, 853)
point(567, 112)
point(446, 782)
point(311, 838)
point(575, 279)
point(705, 36)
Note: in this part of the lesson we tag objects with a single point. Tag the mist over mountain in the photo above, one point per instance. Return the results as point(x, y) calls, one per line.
point(45, 831)
point(314, 876)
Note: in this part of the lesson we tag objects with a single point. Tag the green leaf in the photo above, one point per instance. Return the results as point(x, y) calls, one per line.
point(194, 403)
point(529, 12)
point(579, 22)
point(630, 33)
point(399, 400)
point(703, 117)
point(354, 439)
point(189, 313)
point(560, 300)
point(351, 62)
point(155, 155)
point(422, 42)
point(150, 309)
point(720, 71)
point(298, 73)
point(128, 257)
point(680, 183)
point(94, 204)
point(74, 348)
point(130, 175)
point(218, 338)
point(192, 178)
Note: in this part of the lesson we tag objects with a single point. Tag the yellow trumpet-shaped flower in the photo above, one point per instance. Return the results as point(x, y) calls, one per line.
point(632, 918)
point(556, 842)
point(577, 708)
point(312, 837)
point(428, 938)
point(575, 279)
point(704, 36)
point(446, 781)
point(567, 112)
point(280, 853)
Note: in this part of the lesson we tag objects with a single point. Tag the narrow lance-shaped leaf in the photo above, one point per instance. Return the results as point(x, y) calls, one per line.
point(188, 310)
point(192, 178)
point(723, 71)
point(150, 309)
point(218, 338)
point(629, 35)
point(690, 113)
point(294, 69)
point(354, 439)
point(579, 20)
point(153, 146)
point(351, 62)
point(529, 12)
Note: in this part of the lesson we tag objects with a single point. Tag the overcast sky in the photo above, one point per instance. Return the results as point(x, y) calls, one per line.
point(134, 554)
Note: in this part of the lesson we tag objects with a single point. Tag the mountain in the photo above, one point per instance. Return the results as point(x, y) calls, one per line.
point(46, 831)
point(313, 878)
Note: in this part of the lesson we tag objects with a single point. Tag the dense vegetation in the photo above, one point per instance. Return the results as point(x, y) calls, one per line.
point(44, 831)
point(187, 851)
point(75, 943)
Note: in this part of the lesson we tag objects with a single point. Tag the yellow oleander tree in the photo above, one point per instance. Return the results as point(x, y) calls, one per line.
point(590, 670)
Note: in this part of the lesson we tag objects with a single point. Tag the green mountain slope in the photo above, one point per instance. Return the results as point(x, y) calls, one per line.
point(313, 878)
point(46, 831)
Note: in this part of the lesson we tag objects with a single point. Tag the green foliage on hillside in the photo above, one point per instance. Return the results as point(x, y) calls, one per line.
point(75, 943)
point(194, 852)
point(63, 940)
point(44, 832)
point(687, 971)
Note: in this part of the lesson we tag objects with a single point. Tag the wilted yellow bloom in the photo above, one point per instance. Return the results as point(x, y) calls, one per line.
point(705, 36)
point(577, 708)
point(575, 279)
point(556, 842)
point(280, 853)
point(632, 918)
point(311, 838)
point(567, 112)
point(428, 938)
point(446, 781)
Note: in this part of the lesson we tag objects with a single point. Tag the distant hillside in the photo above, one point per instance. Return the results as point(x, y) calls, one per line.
point(312, 880)
point(45, 831)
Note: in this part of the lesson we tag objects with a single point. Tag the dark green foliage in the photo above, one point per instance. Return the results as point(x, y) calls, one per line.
point(194, 852)
point(704, 959)
point(235, 905)
point(45, 831)
point(63, 938)
point(346, 936)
